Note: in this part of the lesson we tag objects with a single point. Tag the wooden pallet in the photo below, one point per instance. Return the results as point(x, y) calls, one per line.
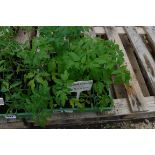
point(133, 101)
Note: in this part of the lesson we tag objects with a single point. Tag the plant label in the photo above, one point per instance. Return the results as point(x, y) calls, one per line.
point(1, 101)
point(10, 117)
point(80, 86)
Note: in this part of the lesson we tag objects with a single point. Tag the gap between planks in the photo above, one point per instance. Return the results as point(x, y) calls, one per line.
point(143, 55)
point(150, 31)
point(120, 30)
point(130, 52)
point(134, 92)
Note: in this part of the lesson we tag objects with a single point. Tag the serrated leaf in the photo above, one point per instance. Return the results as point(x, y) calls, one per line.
point(30, 75)
point(74, 56)
point(44, 74)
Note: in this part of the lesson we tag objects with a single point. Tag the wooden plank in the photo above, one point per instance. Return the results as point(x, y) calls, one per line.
point(150, 103)
point(121, 106)
point(144, 55)
point(134, 63)
point(150, 31)
point(140, 30)
point(119, 113)
point(99, 30)
point(120, 91)
point(100, 120)
point(91, 117)
point(135, 95)
point(119, 29)
point(13, 125)
point(91, 32)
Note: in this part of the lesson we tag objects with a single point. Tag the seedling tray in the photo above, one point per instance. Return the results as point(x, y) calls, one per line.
point(20, 115)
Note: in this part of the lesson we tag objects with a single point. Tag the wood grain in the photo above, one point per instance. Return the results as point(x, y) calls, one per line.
point(134, 92)
point(150, 31)
point(143, 54)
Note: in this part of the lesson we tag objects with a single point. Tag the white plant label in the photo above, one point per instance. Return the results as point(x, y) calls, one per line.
point(1, 101)
point(80, 86)
point(10, 116)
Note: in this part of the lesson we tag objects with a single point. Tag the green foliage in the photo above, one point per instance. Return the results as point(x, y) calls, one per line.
point(38, 78)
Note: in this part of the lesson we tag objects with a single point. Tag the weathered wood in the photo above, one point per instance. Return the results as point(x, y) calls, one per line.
point(120, 112)
point(92, 33)
point(23, 36)
point(100, 120)
point(99, 30)
point(12, 125)
point(120, 91)
point(150, 103)
point(134, 63)
point(120, 30)
point(135, 95)
point(150, 31)
point(112, 91)
point(144, 55)
point(140, 30)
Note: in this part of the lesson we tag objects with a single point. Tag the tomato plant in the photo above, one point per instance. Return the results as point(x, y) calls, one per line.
point(37, 77)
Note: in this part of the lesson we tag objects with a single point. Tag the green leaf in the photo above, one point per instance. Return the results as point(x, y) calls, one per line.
point(63, 99)
point(99, 87)
point(40, 80)
point(52, 66)
point(2, 61)
point(115, 72)
point(83, 60)
point(80, 105)
point(30, 75)
point(72, 102)
point(51, 103)
point(31, 84)
point(74, 56)
point(44, 74)
point(15, 84)
point(9, 76)
point(65, 76)
point(5, 86)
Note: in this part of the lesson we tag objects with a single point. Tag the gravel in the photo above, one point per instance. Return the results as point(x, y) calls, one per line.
point(143, 124)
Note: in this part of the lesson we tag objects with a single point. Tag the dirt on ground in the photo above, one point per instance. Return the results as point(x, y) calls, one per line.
point(144, 124)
